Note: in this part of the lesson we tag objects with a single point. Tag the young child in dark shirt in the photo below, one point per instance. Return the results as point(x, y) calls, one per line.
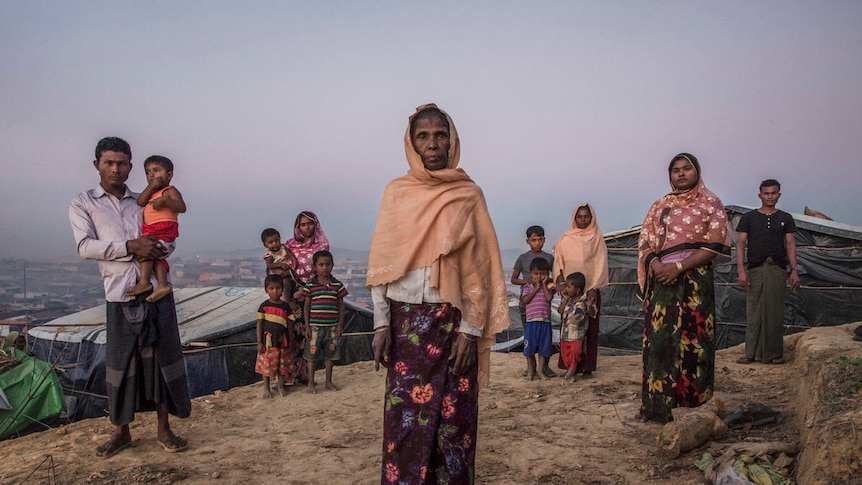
point(274, 337)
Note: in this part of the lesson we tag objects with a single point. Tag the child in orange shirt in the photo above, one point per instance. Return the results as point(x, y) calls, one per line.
point(162, 203)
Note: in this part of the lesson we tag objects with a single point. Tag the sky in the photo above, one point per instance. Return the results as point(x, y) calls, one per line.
point(270, 108)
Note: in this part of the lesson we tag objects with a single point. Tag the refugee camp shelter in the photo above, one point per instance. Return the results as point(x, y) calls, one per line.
point(218, 332)
point(829, 256)
point(30, 393)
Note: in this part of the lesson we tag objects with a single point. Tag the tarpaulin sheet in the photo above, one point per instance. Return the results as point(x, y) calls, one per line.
point(34, 392)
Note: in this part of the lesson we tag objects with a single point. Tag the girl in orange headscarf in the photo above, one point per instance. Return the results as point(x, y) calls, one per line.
point(583, 249)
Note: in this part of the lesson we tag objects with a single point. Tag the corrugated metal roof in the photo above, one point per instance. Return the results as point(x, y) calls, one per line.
point(202, 313)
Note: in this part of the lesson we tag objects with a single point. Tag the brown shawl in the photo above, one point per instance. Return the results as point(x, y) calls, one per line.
point(439, 219)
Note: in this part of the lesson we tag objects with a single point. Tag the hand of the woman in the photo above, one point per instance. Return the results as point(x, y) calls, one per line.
point(665, 273)
point(464, 352)
point(380, 345)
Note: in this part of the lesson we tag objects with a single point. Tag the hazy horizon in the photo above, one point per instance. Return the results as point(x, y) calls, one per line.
point(269, 109)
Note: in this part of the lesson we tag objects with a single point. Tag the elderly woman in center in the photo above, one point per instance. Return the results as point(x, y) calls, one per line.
point(439, 297)
point(682, 233)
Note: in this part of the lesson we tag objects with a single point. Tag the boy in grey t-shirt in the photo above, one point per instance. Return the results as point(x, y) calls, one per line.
point(536, 241)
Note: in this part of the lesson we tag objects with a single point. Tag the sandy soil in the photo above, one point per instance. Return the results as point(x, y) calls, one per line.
point(543, 432)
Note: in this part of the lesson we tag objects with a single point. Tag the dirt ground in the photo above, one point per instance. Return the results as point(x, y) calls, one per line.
point(539, 432)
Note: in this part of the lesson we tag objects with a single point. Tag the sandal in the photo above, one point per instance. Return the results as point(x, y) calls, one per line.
point(640, 418)
point(112, 447)
point(744, 360)
point(174, 444)
point(777, 360)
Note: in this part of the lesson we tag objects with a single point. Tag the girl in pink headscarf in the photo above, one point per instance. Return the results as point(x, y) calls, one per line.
point(308, 238)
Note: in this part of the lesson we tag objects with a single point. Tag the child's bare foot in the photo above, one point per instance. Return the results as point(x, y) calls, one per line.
point(570, 374)
point(159, 293)
point(282, 390)
point(312, 388)
point(530, 375)
point(331, 386)
point(542, 376)
point(267, 393)
point(140, 288)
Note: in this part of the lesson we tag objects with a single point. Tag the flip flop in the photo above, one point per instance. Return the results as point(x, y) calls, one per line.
point(112, 447)
point(174, 444)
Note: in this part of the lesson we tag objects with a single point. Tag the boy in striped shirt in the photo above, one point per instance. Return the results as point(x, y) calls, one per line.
point(324, 313)
point(536, 296)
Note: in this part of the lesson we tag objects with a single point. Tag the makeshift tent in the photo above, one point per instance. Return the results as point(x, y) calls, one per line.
point(30, 393)
point(217, 330)
point(830, 267)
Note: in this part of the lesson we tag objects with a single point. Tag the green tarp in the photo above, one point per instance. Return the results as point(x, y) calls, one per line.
point(33, 391)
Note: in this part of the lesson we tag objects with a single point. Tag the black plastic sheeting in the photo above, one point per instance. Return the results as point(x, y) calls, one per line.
point(83, 379)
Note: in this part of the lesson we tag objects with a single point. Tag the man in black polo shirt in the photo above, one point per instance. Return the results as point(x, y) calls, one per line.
point(768, 234)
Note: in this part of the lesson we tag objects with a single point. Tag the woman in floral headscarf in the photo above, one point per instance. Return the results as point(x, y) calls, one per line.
point(681, 235)
point(439, 297)
point(308, 238)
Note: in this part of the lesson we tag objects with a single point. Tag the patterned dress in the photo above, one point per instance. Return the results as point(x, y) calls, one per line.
point(679, 344)
point(430, 414)
point(679, 319)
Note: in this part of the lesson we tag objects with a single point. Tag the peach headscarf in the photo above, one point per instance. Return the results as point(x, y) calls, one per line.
point(439, 219)
point(583, 250)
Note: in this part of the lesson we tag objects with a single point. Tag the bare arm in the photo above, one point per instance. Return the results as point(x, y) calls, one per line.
point(549, 295)
point(464, 353)
point(516, 278)
point(148, 192)
point(529, 296)
point(306, 314)
point(563, 302)
point(261, 347)
point(667, 273)
point(290, 336)
point(382, 339)
point(790, 244)
point(340, 326)
point(171, 199)
point(741, 243)
point(273, 266)
point(294, 263)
